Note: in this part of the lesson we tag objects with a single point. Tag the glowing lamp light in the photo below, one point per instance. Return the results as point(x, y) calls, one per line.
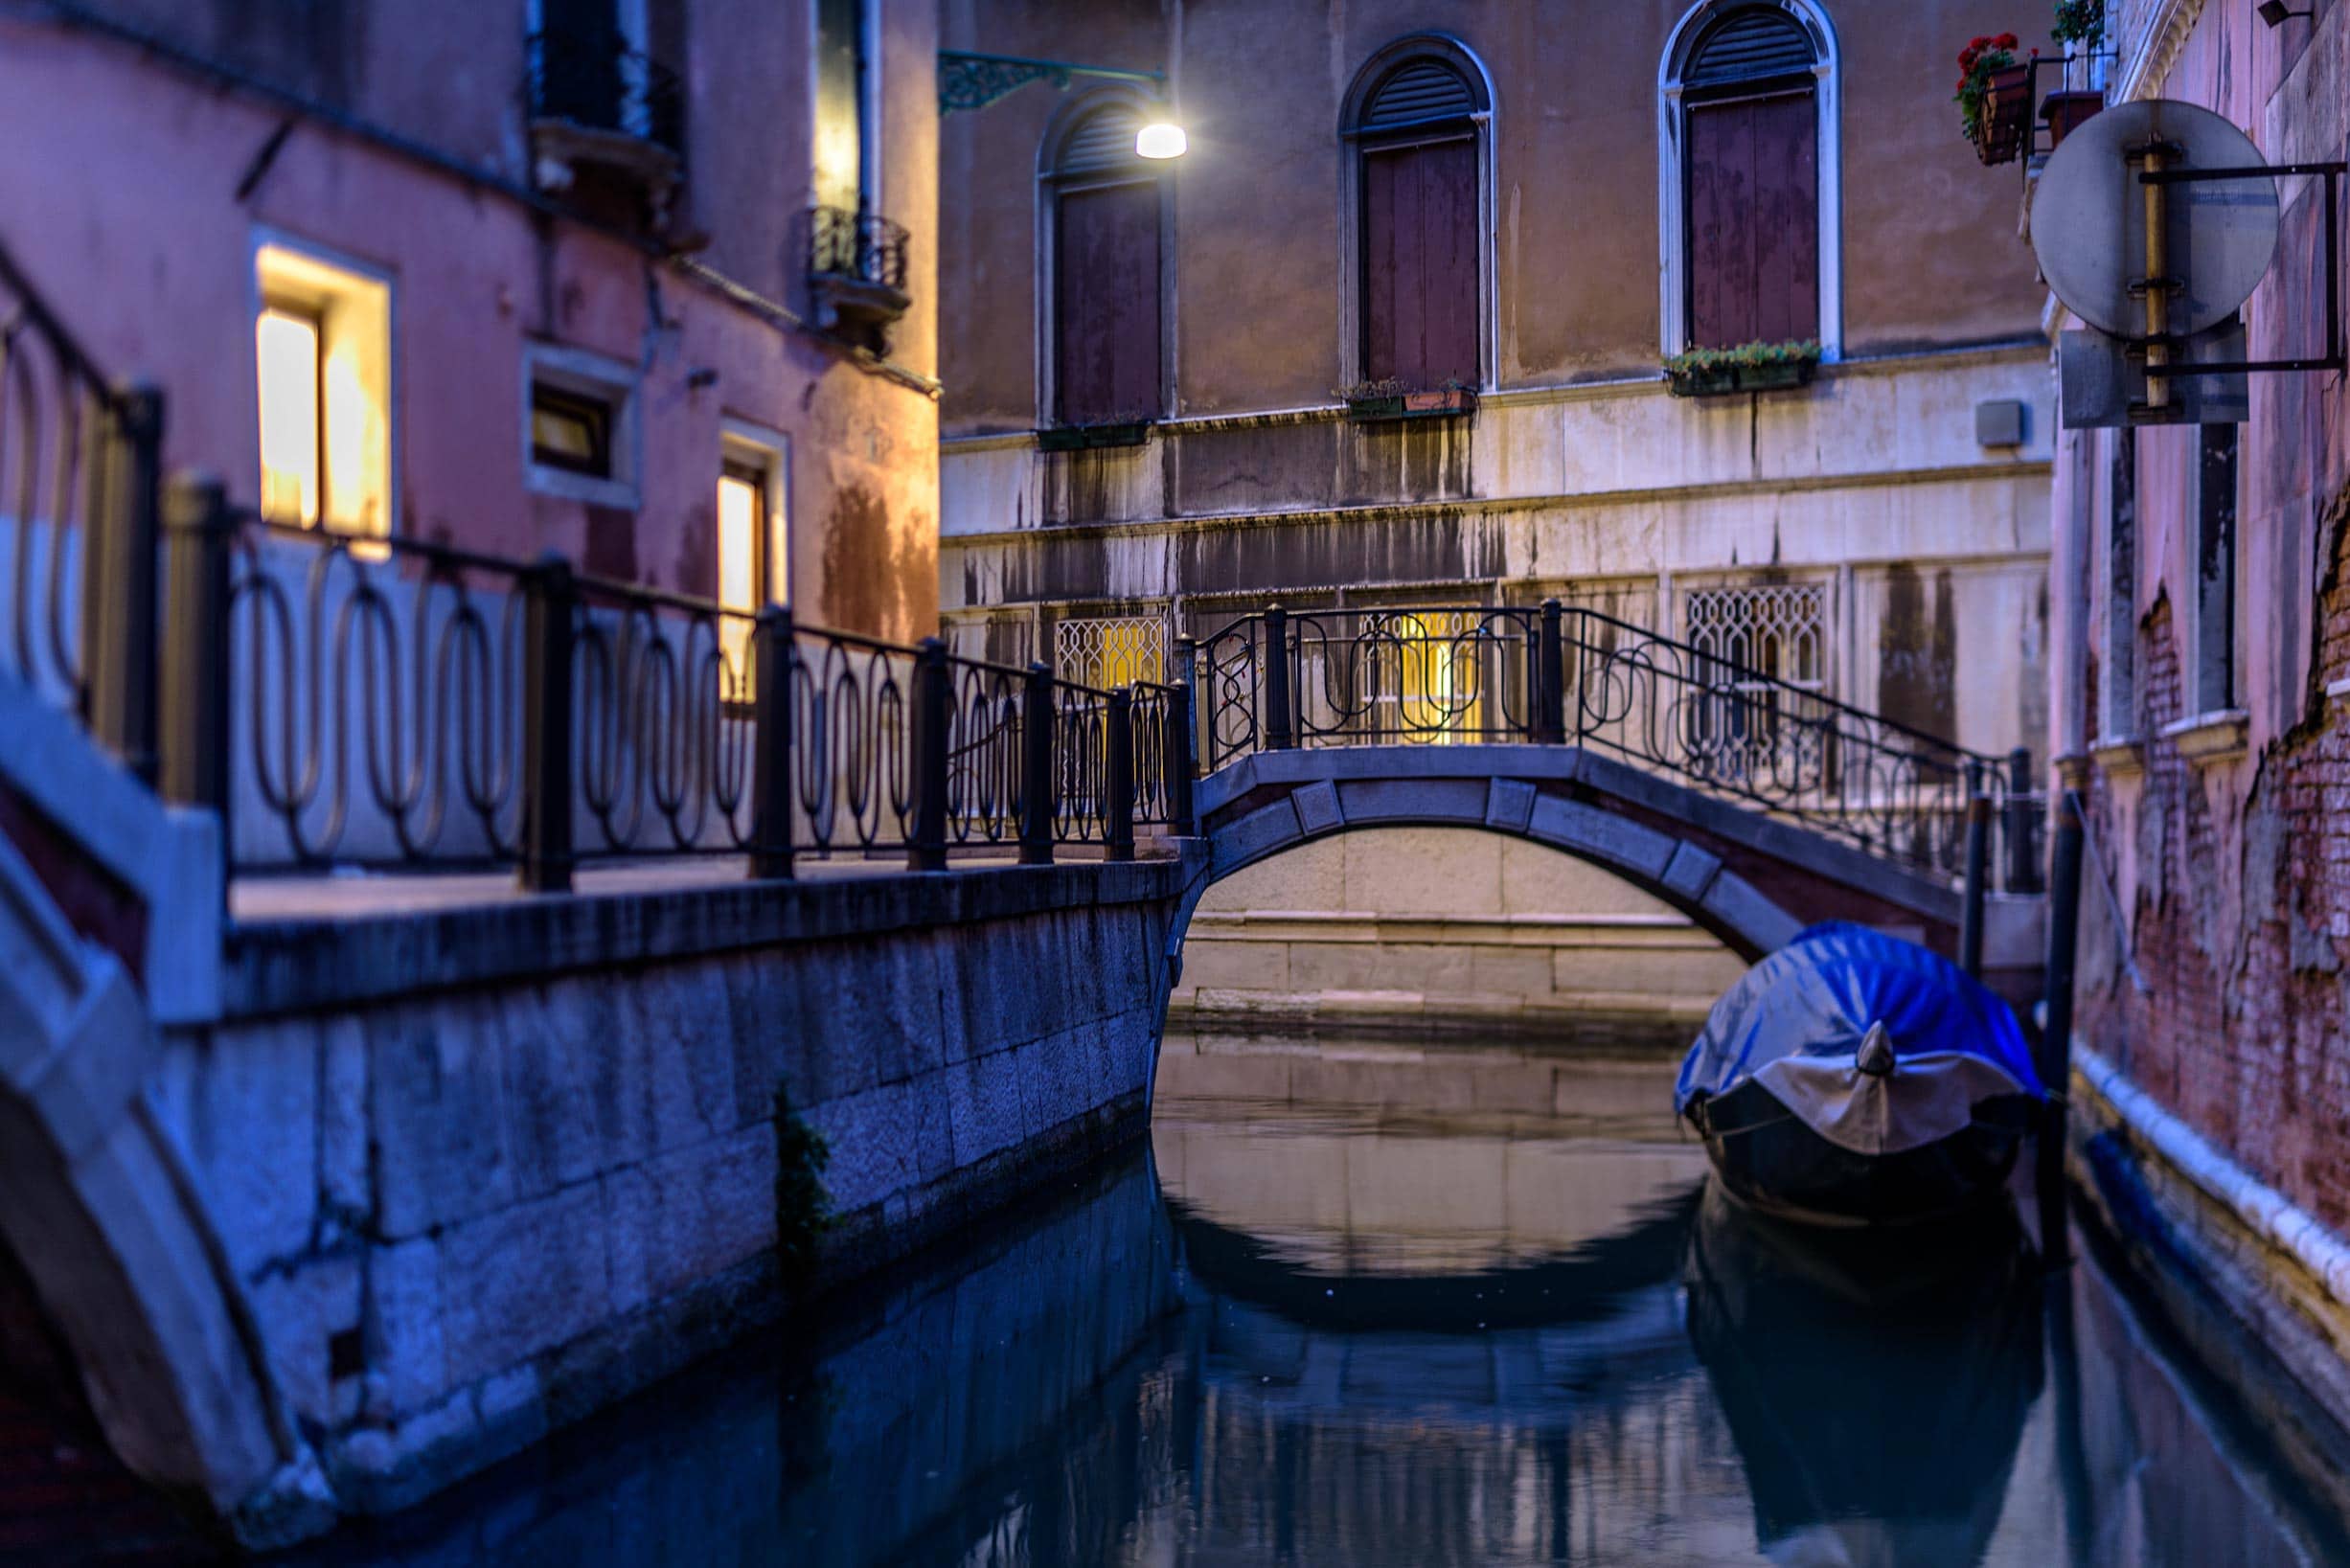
point(1160, 140)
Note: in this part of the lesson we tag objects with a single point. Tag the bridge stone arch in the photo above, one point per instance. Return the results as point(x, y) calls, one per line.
point(1752, 880)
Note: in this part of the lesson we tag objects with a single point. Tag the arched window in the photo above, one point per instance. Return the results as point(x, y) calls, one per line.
point(1416, 122)
point(1106, 253)
point(1750, 197)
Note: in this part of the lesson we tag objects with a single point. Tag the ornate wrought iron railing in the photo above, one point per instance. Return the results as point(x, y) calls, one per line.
point(861, 245)
point(1554, 674)
point(599, 83)
point(395, 703)
point(79, 523)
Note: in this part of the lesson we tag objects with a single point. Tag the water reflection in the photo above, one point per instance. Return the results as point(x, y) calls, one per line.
point(1365, 1304)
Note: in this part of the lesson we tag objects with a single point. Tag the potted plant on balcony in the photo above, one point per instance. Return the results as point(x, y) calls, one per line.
point(1388, 398)
point(2079, 26)
point(1994, 95)
point(1121, 429)
point(1750, 366)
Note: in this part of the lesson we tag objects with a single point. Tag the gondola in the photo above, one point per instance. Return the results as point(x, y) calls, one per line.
point(1854, 1078)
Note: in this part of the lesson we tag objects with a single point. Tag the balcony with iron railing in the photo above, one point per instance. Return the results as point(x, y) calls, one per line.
point(607, 126)
point(855, 273)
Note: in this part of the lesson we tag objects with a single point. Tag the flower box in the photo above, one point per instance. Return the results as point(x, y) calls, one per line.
point(1757, 367)
point(2007, 115)
point(2066, 112)
point(1087, 437)
point(1446, 402)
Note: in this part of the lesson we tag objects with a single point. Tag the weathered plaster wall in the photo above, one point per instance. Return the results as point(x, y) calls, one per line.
point(1927, 250)
point(152, 267)
point(2224, 993)
point(483, 1172)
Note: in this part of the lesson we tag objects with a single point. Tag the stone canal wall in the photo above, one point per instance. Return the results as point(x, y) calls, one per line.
point(482, 1170)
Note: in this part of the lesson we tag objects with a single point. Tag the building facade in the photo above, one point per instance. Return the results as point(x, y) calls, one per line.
point(2203, 637)
point(1520, 215)
point(609, 278)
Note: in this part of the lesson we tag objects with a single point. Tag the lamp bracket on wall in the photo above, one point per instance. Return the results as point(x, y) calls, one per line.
point(967, 80)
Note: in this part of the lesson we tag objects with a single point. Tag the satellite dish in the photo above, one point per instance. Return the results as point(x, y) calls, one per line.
point(2088, 218)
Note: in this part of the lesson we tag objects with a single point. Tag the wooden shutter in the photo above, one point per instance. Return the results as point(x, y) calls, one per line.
point(1419, 263)
point(1753, 220)
point(1107, 320)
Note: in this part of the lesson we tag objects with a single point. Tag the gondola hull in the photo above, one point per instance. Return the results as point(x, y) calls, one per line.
point(1852, 1079)
point(1768, 1159)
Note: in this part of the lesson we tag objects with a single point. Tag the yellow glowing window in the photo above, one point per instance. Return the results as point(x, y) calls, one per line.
point(322, 364)
point(286, 344)
point(1435, 661)
point(742, 526)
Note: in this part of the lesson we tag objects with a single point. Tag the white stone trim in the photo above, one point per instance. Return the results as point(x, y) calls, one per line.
point(2118, 756)
point(2155, 50)
point(1672, 263)
point(2264, 1211)
point(2215, 737)
point(589, 374)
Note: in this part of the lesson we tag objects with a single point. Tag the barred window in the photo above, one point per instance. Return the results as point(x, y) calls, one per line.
point(1778, 629)
point(1110, 651)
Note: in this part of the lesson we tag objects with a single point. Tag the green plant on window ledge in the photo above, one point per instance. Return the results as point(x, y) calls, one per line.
point(2079, 22)
point(1390, 399)
point(1750, 366)
point(1128, 427)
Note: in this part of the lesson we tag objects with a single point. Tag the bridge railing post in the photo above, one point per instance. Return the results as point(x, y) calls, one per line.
point(1182, 760)
point(1978, 864)
point(119, 585)
point(1036, 797)
point(926, 847)
point(1550, 675)
point(1280, 731)
point(771, 657)
point(1118, 764)
point(2023, 856)
point(550, 603)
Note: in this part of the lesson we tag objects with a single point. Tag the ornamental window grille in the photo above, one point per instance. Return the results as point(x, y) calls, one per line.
point(1753, 643)
point(1110, 651)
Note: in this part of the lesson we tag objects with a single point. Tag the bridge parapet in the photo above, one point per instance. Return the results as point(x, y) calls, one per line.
point(1449, 678)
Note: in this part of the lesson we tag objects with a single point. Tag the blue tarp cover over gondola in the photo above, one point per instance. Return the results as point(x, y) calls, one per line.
point(1800, 1022)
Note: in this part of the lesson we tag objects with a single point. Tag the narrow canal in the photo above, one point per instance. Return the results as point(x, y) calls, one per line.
point(1371, 1303)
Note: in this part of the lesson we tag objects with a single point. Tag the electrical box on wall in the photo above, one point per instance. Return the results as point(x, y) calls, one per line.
point(1999, 421)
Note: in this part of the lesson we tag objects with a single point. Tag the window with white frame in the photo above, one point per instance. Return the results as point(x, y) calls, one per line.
point(2117, 674)
point(1751, 177)
point(322, 342)
point(753, 544)
point(578, 426)
point(2215, 570)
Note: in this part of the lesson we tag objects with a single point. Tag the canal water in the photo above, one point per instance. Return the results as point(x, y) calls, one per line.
point(1370, 1303)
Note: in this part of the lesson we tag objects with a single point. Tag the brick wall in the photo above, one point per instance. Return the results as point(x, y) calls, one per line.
point(2240, 926)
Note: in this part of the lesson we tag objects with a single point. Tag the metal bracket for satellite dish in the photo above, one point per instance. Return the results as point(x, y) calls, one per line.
point(2335, 357)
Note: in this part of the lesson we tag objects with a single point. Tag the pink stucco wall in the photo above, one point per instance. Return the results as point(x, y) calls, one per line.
point(118, 193)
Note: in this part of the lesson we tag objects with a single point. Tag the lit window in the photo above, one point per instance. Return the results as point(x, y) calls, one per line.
point(578, 426)
point(742, 526)
point(1109, 652)
point(322, 370)
point(286, 345)
point(571, 431)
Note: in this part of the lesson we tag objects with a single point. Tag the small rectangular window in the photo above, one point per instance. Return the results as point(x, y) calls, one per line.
point(742, 530)
point(2215, 598)
point(571, 431)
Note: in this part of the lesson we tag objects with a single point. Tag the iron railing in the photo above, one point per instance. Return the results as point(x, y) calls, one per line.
point(395, 703)
point(79, 491)
point(859, 246)
point(597, 82)
point(1553, 674)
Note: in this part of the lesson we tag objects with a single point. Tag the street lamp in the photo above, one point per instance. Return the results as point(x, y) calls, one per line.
point(968, 81)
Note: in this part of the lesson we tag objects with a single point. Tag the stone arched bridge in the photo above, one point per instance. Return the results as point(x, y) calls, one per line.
point(1750, 878)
